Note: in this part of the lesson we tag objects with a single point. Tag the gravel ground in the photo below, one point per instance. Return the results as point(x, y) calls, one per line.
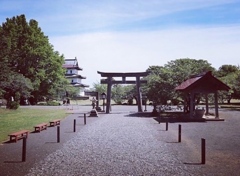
point(116, 144)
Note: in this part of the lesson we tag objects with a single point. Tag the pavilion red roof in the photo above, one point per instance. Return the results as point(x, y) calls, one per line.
point(205, 82)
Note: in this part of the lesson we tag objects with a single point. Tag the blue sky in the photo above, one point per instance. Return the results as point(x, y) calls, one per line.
point(125, 36)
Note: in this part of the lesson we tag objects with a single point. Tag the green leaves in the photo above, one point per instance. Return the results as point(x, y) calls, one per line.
point(230, 75)
point(163, 79)
point(26, 51)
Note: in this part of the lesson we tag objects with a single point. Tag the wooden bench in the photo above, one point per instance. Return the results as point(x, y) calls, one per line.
point(40, 127)
point(55, 122)
point(18, 135)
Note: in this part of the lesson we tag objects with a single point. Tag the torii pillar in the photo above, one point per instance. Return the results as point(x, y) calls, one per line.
point(139, 94)
point(109, 92)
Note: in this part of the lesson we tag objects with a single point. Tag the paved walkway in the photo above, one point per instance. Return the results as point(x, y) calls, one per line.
point(116, 144)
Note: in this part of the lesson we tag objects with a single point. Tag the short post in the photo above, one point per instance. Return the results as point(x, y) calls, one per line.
point(203, 151)
point(24, 149)
point(85, 120)
point(58, 134)
point(159, 117)
point(74, 125)
point(167, 125)
point(179, 133)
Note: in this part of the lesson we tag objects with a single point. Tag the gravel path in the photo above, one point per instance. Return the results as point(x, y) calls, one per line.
point(115, 144)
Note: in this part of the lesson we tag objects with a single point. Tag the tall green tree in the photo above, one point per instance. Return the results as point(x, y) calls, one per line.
point(230, 75)
point(18, 86)
point(100, 88)
point(117, 93)
point(182, 69)
point(160, 87)
point(164, 79)
point(225, 70)
point(120, 93)
point(26, 50)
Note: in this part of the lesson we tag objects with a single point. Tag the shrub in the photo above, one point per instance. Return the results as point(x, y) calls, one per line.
point(12, 105)
point(53, 103)
point(130, 101)
point(3, 102)
point(48, 103)
point(118, 102)
point(42, 103)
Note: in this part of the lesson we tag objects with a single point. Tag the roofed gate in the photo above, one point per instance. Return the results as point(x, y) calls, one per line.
point(110, 81)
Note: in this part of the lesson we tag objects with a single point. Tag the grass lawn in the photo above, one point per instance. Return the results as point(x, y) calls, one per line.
point(25, 118)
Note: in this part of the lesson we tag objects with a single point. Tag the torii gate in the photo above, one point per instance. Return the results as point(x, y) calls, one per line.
point(109, 81)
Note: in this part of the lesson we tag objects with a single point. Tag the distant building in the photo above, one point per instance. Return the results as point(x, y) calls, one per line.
point(72, 74)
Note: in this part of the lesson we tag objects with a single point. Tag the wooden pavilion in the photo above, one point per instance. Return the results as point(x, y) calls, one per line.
point(205, 84)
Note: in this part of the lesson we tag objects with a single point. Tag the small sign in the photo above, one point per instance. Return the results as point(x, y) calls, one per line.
point(90, 93)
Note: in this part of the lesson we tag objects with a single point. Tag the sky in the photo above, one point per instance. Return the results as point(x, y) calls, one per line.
point(131, 35)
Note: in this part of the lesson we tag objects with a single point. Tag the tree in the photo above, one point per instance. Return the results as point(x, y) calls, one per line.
point(130, 93)
point(100, 88)
point(18, 86)
point(236, 86)
point(160, 87)
point(26, 50)
point(5, 74)
point(182, 69)
point(225, 70)
point(119, 92)
point(164, 79)
point(230, 75)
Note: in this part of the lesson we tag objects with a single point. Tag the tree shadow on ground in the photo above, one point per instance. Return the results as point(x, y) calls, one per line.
point(140, 114)
point(231, 108)
point(13, 161)
point(8, 142)
point(171, 117)
point(176, 117)
point(193, 163)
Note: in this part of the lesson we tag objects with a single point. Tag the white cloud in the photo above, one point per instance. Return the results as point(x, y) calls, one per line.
point(136, 51)
point(75, 15)
point(84, 24)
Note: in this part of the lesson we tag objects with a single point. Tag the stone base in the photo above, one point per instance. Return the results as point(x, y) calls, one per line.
point(98, 109)
point(93, 113)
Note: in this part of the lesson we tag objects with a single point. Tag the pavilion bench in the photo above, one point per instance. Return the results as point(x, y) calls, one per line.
point(40, 127)
point(55, 122)
point(18, 135)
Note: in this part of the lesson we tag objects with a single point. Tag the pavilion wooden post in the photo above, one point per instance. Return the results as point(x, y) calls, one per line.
point(109, 90)
point(207, 107)
point(139, 95)
point(184, 106)
point(97, 98)
point(185, 102)
point(191, 104)
point(216, 104)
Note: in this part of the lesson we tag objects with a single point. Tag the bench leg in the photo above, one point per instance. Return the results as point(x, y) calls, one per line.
point(13, 138)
